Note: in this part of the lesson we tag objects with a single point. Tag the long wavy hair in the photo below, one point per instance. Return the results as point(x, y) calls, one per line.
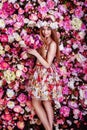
point(54, 38)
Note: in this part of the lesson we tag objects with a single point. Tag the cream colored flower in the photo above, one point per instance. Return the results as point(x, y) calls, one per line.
point(80, 58)
point(17, 37)
point(10, 104)
point(1, 5)
point(9, 75)
point(1, 50)
point(76, 23)
point(2, 23)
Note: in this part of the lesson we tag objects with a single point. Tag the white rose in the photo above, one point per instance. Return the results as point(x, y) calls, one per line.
point(1, 5)
point(18, 73)
point(10, 93)
point(1, 82)
point(85, 102)
point(10, 38)
point(22, 43)
point(12, 1)
point(80, 58)
point(20, 67)
point(2, 23)
point(17, 36)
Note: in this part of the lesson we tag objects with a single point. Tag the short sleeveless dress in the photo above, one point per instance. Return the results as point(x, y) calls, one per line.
point(44, 82)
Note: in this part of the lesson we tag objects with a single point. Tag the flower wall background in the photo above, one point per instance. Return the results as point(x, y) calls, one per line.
point(17, 18)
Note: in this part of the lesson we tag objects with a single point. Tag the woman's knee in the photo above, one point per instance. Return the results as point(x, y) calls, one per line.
point(36, 102)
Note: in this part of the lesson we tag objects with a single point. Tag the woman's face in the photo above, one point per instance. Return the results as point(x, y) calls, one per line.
point(46, 31)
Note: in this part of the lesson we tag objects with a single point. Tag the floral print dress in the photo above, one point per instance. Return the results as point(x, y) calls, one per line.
point(44, 82)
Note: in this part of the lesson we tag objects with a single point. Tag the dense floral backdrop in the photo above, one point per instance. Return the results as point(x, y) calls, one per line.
point(17, 34)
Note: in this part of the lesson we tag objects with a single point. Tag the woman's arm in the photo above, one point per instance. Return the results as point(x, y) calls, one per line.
point(50, 56)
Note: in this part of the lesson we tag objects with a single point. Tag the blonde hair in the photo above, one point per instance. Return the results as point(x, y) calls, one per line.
point(54, 38)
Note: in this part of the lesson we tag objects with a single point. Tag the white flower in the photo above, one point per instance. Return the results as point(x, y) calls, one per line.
point(10, 104)
point(12, 1)
point(76, 23)
point(61, 47)
point(10, 93)
point(1, 50)
point(1, 82)
point(20, 66)
point(2, 23)
point(31, 23)
point(22, 43)
point(18, 73)
point(71, 83)
point(80, 58)
point(85, 102)
point(1, 5)
point(26, 20)
point(10, 38)
point(16, 36)
point(54, 25)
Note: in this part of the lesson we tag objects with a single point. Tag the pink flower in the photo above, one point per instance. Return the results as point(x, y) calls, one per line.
point(72, 104)
point(64, 110)
point(18, 109)
point(79, 12)
point(43, 9)
point(50, 4)
point(28, 7)
point(33, 17)
point(20, 11)
point(1, 93)
point(20, 125)
point(60, 121)
point(4, 38)
point(65, 90)
point(22, 98)
point(8, 8)
point(4, 65)
point(67, 24)
point(10, 31)
point(7, 116)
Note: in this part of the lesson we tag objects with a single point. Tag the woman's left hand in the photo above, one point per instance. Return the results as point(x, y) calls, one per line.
point(32, 52)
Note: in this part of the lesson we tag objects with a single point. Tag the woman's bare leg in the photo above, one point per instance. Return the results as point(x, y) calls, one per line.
point(49, 110)
point(41, 113)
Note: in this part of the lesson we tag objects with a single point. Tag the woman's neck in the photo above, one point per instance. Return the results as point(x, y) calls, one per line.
point(49, 40)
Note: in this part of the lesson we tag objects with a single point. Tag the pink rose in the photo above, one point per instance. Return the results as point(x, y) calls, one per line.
point(33, 17)
point(1, 93)
point(7, 116)
point(20, 11)
point(79, 12)
point(20, 125)
point(65, 90)
point(4, 65)
point(22, 98)
point(64, 110)
point(43, 9)
point(16, 5)
point(8, 8)
point(4, 38)
point(18, 109)
point(50, 4)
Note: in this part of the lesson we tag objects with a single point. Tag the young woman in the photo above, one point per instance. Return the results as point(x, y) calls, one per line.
point(44, 81)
